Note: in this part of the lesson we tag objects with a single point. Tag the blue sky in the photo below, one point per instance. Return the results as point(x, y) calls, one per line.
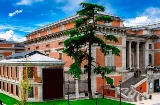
point(19, 17)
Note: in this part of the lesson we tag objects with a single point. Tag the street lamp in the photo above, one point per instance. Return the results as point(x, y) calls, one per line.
point(68, 91)
point(96, 93)
point(120, 90)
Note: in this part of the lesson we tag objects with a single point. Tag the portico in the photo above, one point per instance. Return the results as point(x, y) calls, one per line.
point(136, 52)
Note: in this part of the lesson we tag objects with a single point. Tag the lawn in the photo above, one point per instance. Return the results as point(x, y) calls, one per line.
point(10, 101)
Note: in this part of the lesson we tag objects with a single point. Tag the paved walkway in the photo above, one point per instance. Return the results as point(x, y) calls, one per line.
point(154, 101)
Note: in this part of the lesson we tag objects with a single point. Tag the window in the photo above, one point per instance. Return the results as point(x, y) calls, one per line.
point(12, 88)
point(48, 31)
point(17, 90)
point(47, 45)
point(11, 71)
point(108, 24)
point(28, 49)
point(150, 59)
point(7, 71)
point(61, 27)
point(7, 87)
point(38, 35)
point(1, 57)
point(3, 86)
point(109, 59)
point(3, 69)
point(60, 43)
point(150, 46)
point(31, 92)
point(16, 72)
point(30, 72)
point(60, 56)
point(37, 47)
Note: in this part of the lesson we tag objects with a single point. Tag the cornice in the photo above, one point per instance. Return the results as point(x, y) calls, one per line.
point(105, 29)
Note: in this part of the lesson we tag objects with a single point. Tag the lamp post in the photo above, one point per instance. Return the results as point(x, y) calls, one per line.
point(96, 93)
point(68, 91)
point(120, 90)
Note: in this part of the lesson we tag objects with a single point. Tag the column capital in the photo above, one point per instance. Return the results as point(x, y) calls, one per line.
point(130, 41)
point(138, 42)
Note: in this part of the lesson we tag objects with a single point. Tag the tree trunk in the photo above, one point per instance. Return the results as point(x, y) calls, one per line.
point(89, 69)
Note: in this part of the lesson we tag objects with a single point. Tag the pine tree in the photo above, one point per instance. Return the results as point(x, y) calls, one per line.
point(82, 37)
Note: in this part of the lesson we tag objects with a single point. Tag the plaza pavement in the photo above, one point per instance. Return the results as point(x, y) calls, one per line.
point(154, 101)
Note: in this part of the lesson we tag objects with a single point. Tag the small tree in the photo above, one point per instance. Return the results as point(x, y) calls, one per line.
point(78, 46)
point(24, 85)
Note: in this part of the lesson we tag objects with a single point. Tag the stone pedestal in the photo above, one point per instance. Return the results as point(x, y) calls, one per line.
point(76, 88)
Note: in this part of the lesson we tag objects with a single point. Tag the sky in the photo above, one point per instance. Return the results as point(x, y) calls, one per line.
point(20, 17)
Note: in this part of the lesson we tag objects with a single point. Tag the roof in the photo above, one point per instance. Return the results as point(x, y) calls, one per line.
point(34, 58)
point(22, 55)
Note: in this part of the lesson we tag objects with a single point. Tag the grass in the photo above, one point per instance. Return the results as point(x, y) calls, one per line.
point(11, 101)
point(8, 100)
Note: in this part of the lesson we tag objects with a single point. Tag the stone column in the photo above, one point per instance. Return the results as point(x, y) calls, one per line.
point(130, 42)
point(40, 95)
point(20, 73)
point(76, 88)
point(146, 60)
point(137, 54)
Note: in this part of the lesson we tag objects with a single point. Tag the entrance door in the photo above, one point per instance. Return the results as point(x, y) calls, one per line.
point(156, 85)
point(52, 83)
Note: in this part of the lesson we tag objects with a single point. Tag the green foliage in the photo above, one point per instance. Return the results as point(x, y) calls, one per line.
point(109, 80)
point(78, 46)
point(102, 70)
point(105, 19)
point(75, 70)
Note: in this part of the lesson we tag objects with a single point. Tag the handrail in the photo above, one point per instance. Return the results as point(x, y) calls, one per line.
point(133, 88)
point(122, 94)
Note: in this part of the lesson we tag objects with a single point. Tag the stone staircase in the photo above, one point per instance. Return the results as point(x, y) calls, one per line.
point(131, 93)
point(132, 81)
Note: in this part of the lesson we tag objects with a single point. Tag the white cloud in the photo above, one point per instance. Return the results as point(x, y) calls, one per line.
point(10, 36)
point(15, 12)
point(28, 2)
point(149, 16)
point(18, 28)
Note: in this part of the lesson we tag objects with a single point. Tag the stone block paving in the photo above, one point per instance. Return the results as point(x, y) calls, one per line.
point(154, 101)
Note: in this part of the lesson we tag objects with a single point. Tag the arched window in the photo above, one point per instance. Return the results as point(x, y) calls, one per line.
point(150, 59)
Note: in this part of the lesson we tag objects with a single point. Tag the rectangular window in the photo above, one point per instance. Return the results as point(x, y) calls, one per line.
point(31, 92)
point(60, 43)
point(37, 47)
point(3, 86)
point(16, 72)
point(11, 72)
point(28, 49)
point(3, 69)
point(61, 27)
point(0, 85)
point(7, 71)
point(30, 72)
point(38, 35)
point(48, 31)
point(47, 46)
point(17, 90)
point(1, 57)
point(60, 56)
point(12, 88)
point(150, 46)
